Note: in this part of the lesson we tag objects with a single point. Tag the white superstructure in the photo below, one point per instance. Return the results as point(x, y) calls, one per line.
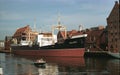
point(78, 36)
point(45, 39)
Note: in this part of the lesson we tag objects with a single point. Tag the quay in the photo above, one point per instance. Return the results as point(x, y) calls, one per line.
point(5, 51)
point(100, 54)
point(97, 54)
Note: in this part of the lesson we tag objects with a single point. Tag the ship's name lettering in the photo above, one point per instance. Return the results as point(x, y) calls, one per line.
point(73, 42)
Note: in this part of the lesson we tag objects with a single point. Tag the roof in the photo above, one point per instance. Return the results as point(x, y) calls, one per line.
point(95, 35)
point(21, 30)
point(95, 32)
point(115, 8)
point(62, 33)
point(47, 34)
point(70, 33)
point(77, 33)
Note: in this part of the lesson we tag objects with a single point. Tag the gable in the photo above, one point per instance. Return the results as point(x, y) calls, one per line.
point(22, 30)
point(115, 11)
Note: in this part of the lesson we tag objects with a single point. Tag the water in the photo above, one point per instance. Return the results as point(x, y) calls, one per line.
point(17, 65)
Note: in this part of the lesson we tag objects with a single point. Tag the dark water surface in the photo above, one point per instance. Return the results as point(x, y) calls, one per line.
point(17, 65)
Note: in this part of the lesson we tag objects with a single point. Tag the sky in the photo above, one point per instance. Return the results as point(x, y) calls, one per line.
point(15, 14)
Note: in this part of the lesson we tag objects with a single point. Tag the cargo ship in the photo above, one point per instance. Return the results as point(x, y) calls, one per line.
point(46, 44)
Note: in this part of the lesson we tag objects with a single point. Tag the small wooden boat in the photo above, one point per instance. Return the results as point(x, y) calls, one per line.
point(40, 63)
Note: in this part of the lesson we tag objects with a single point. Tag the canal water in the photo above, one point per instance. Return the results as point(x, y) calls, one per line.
point(24, 65)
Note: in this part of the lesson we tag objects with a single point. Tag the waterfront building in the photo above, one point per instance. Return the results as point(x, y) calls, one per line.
point(24, 33)
point(2, 44)
point(113, 23)
point(100, 27)
point(8, 42)
point(61, 35)
point(96, 39)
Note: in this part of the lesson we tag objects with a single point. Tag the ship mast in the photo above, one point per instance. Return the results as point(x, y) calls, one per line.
point(59, 27)
point(34, 24)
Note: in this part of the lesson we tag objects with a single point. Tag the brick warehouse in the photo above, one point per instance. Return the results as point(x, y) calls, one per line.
point(25, 33)
point(113, 23)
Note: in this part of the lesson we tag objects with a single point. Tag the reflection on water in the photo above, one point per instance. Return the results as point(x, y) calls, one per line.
point(114, 66)
point(62, 66)
point(16, 65)
point(13, 65)
point(50, 69)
